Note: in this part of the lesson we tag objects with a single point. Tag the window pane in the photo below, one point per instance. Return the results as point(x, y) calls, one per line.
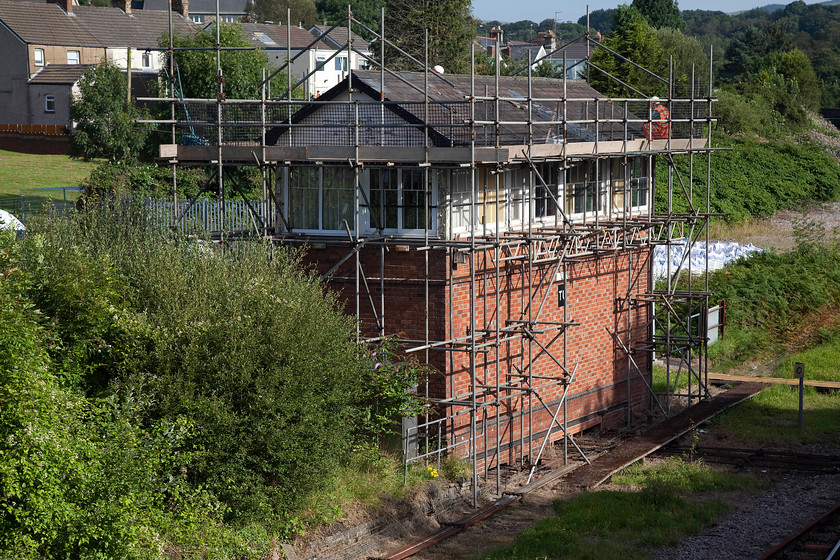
point(39, 57)
point(303, 198)
point(414, 200)
point(72, 57)
point(383, 198)
point(49, 104)
point(338, 198)
point(460, 198)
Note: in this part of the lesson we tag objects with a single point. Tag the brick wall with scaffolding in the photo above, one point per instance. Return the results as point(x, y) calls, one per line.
point(500, 228)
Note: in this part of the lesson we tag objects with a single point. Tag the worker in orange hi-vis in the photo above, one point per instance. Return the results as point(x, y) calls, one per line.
point(660, 123)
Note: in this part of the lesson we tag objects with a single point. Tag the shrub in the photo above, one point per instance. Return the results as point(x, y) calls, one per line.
point(236, 340)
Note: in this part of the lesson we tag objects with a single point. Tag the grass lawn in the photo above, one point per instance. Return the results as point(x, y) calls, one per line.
point(27, 174)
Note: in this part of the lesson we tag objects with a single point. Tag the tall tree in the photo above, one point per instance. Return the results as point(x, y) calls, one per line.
point(634, 39)
point(106, 126)
point(242, 70)
point(600, 20)
point(451, 30)
point(367, 12)
point(303, 12)
point(661, 13)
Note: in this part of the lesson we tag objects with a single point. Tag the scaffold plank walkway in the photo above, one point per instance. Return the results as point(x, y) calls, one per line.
point(604, 466)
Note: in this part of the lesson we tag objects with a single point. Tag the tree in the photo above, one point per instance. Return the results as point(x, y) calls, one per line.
point(106, 126)
point(634, 39)
point(242, 70)
point(687, 53)
point(367, 12)
point(451, 30)
point(660, 13)
point(301, 12)
point(600, 20)
point(798, 76)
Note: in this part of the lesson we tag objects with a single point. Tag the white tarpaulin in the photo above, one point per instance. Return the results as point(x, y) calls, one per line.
point(7, 221)
point(721, 253)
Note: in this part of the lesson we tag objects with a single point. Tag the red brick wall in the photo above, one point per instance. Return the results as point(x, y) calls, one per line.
point(594, 286)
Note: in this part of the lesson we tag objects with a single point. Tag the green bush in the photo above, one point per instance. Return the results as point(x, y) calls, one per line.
point(754, 178)
point(237, 340)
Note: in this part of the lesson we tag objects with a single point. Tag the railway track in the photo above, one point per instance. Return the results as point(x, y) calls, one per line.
point(819, 540)
point(759, 458)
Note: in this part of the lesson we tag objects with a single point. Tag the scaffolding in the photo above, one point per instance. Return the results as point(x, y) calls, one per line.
point(486, 132)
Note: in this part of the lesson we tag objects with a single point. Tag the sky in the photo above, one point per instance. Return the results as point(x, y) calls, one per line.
point(564, 10)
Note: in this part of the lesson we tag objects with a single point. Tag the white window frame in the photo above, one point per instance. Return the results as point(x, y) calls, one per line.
point(49, 103)
point(307, 209)
point(146, 59)
point(40, 59)
point(340, 63)
point(74, 57)
point(317, 191)
point(402, 206)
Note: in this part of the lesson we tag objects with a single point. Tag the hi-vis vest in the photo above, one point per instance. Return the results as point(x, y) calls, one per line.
point(660, 125)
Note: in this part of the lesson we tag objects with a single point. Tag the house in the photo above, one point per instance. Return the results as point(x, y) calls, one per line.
point(545, 48)
point(319, 60)
point(500, 229)
point(47, 46)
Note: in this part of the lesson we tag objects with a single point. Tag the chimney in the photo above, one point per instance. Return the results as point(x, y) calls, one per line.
point(180, 6)
point(66, 5)
point(124, 5)
point(497, 34)
point(548, 39)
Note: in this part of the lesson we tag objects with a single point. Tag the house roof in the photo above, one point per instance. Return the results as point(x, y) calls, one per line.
point(142, 29)
point(273, 36)
point(89, 26)
point(450, 110)
point(66, 74)
point(45, 24)
point(338, 37)
point(235, 7)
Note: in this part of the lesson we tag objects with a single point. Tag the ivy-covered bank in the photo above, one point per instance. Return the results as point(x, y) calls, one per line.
point(165, 398)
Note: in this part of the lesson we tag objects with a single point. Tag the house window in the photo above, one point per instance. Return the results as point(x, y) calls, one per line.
point(397, 199)
point(546, 191)
point(146, 60)
point(638, 182)
point(489, 203)
point(582, 190)
point(49, 104)
point(340, 63)
point(319, 63)
point(73, 57)
point(229, 19)
point(39, 57)
point(321, 198)
point(197, 18)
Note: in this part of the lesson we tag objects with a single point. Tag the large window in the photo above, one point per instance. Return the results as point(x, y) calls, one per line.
point(73, 57)
point(340, 63)
point(321, 198)
point(397, 199)
point(585, 191)
point(39, 57)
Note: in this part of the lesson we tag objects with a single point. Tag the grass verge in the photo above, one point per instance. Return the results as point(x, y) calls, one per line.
point(772, 417)
point(624, 524)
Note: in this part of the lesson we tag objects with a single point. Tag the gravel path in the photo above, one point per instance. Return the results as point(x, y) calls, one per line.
point(764, 518)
